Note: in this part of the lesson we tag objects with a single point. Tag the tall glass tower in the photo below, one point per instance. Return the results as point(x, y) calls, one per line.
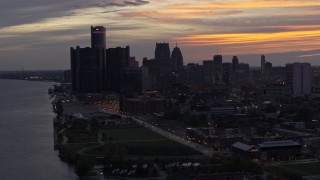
point(98, 37)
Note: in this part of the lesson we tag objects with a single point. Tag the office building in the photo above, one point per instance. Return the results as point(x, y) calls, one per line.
point(86, 69)
point(227, 73)
point(208, 77)
point(162, 59)
point(133, 62)
point(98, 37)
point(263, 62)
point(149, 74)
point(131, 82)
point(192, 76)
point(217, 69)
point(176, 60)
point(298, 78)
point(235, 64)
point(117, 59)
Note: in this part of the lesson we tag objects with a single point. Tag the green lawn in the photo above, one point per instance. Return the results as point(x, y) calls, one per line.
point(304, 169)
point(69, 151)
point(129, 134)
point(144, 142)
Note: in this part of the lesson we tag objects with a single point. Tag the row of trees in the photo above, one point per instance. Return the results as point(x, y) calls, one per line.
point(189, 119)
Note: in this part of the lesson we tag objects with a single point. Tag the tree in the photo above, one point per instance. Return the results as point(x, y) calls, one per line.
point(172, 114)
point(58, 108)
point(83, 166)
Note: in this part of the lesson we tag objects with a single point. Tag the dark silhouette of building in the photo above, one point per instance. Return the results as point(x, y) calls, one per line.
point(98, 69)
point(208, 77)
point(263, 64)
point(86, 69)
point(149, 73)
point(162, 59)
point(98, 37)
point(217, 68)
point(266, 68)
point(193, 75)
point(235, 63)
point(133, 62)
point(117, 60)
point(235, 68)
point(67, 76)
point(227, 72)
point(132, 81)
point(88, 65)
point(176, 60)
point(298, 78)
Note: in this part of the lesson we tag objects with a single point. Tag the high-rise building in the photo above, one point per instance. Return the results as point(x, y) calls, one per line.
point(227, 72)
point(133, 62)
point(193, 75)
point(98, 37)
point(208, 78)
point(149, 73)
point(162, 59)
point(263, 63)
point(86, 69)
point(132, 81)
point(88, 65)
point(235, 68)
point(98, 41)
point(235, 63)
point(217, 68)
point(298, 78)
point(268, 70)
point(98, 69)
point(117, 59)
point(176, 60)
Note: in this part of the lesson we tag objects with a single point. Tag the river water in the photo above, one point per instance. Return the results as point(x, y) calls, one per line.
point(26, 133)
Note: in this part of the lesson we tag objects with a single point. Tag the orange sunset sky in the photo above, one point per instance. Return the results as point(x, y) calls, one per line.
point(37, 34)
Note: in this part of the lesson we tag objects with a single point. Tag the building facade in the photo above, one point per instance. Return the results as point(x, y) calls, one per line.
point(298, 78)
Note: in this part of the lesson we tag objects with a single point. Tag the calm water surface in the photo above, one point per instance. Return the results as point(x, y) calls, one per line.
point(26, 133)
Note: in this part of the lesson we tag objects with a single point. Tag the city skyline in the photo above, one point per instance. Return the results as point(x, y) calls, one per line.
point(37, 34)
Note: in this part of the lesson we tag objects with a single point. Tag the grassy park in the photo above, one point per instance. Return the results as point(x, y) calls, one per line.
point(143, 142)
point(131, 134)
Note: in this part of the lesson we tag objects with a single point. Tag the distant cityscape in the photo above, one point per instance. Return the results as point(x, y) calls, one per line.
point(164, 119)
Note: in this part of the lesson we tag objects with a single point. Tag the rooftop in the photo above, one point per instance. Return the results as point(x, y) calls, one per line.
point(242, 146)
point(279, 144)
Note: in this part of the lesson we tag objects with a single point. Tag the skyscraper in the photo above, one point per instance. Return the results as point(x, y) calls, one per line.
point(263, 65)
point(86, 72)
point(208, 72)
point(117, 59)
point(234, 70)
point(98, 37)
point(162, 59)
point(298, 78)
point(98, 69)
point(176, 60)
point(227, 72)
point(235, 62)
point(217, 68)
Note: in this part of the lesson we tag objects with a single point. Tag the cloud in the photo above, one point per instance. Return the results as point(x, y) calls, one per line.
point(309, 55)
point(238, 26)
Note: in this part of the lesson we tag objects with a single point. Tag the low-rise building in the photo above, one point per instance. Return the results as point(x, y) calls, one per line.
point(280, 150)
point(245, 151)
